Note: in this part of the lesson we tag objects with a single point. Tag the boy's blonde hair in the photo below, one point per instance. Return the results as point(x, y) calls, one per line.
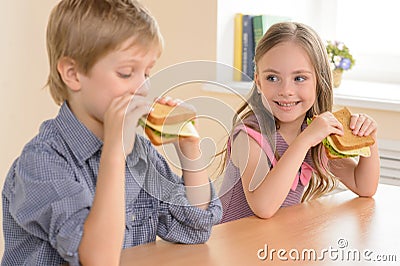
point(86, 30)
point(309, 40)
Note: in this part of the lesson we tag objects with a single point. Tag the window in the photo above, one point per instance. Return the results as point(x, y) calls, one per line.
point(368, 27)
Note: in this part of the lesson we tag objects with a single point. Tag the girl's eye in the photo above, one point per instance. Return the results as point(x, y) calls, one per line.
point(272, 78)
point(300, 78)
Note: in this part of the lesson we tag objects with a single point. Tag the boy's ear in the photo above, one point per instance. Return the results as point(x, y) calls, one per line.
point(69, 73)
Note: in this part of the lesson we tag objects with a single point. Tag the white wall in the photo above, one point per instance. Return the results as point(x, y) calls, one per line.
point(23, 72)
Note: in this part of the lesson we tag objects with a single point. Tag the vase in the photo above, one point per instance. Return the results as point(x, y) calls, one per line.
point(337, 77)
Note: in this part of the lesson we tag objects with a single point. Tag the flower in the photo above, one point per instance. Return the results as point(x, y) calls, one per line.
point(339, 56)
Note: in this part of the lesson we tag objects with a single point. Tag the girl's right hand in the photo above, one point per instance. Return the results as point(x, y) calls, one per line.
point(322, 126)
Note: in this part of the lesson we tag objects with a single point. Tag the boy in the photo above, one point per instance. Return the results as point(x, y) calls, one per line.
point(72, 195)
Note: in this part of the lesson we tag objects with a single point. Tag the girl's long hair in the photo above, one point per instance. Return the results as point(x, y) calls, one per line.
point(322, 181)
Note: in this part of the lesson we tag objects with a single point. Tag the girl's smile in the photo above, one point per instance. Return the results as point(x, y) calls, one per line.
point(286, 105)
point(286, 78)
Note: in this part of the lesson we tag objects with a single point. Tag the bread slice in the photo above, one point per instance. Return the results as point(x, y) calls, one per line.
point(165, 114)
point(165, 124)
point(330, 155)
point(157, 139)
point(349, 141)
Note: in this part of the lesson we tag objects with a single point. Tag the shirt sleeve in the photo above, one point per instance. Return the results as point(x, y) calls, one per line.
point(48, 202)
point(179, 221)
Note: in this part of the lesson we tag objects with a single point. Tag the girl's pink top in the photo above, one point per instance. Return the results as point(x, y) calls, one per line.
point(232, 196)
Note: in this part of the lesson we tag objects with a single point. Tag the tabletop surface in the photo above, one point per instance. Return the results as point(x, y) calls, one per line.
point(339, 229)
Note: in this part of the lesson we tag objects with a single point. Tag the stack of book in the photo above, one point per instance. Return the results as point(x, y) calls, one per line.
point(249, 29)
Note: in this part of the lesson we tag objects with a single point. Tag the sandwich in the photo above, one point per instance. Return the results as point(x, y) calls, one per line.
point(348, 145)
point(165, 123)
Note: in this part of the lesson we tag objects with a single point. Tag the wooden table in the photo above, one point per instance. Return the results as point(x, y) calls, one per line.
point(342, 229)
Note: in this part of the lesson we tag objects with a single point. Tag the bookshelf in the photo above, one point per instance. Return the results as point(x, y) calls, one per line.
point(310, 12)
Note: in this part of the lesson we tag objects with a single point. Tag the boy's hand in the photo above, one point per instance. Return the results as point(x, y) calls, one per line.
point(363, 125)
point(187, 147)
point(167, 100)
point(322, 126)
point(121, 119)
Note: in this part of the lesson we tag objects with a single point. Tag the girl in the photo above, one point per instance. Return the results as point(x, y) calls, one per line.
point(292, 82)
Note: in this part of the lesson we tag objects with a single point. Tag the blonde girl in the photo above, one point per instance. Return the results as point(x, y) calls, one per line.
point(273, 158)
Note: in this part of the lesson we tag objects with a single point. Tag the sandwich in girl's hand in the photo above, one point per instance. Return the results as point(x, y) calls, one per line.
point(166, 123)
point(348, 145)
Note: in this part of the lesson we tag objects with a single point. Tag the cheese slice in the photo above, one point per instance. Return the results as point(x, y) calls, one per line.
point(365, 151)
point(186, 129)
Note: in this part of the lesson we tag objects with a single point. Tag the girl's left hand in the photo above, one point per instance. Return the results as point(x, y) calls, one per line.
point(363, 125)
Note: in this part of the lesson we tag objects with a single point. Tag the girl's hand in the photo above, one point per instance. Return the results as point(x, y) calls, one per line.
point(121, 119)
point(363, 125)
point(322, 126)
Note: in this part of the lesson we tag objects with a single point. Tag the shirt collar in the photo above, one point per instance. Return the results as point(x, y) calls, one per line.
point(140, 151)
point(82, 142)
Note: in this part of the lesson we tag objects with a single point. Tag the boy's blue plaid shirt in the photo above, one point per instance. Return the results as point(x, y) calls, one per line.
point(50, 188)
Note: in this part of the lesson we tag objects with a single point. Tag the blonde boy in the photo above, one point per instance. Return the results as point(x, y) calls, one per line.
point(73, 196)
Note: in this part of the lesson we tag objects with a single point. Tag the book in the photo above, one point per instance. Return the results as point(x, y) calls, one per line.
point(237, 52)
point(271, 20)
point(259, 27)
point(248, 30)
point(247, 48)
point(261, 23)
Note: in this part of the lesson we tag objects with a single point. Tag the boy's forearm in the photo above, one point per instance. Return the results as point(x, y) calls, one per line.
point(195, 175)
point(198, 189)
point(105, 225)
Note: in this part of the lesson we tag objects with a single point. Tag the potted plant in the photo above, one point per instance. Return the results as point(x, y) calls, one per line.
point(340, 59)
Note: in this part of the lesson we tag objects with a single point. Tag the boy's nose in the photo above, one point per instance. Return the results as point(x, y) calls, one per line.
point(142, 89)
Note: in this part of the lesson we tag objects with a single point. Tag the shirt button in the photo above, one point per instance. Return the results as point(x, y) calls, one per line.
point(133, 218)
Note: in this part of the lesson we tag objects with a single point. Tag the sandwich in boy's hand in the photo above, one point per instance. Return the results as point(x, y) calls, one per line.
point(348, 145)
point(165, 123)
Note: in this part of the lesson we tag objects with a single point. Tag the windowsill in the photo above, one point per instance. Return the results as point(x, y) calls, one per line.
point(370, 95)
